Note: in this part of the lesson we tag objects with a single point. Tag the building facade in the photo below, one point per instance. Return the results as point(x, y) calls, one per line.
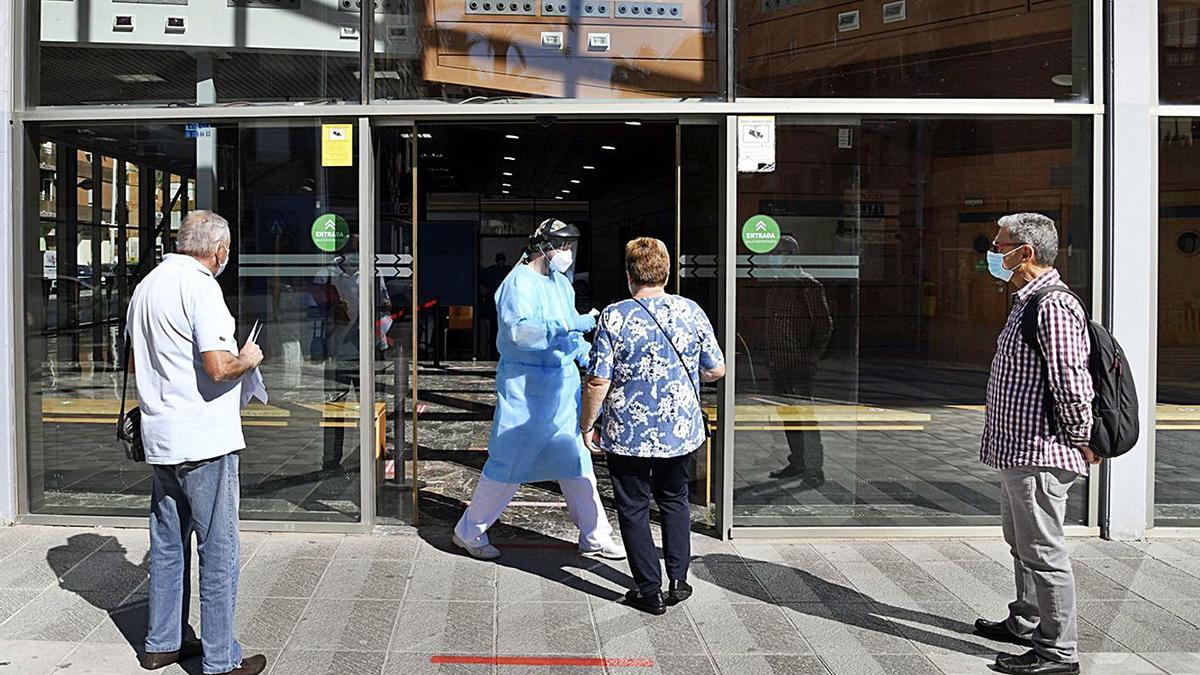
point(826, 173)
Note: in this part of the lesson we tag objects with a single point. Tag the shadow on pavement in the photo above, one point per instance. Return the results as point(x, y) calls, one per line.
point(841, 603)
point(107, 580)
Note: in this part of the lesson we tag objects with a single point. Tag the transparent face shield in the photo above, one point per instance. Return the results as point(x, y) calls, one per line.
point(562, 256)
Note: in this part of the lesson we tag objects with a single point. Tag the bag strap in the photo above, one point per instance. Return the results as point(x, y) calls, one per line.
point(124, 383)
point(1030, 334)
point(682, 363)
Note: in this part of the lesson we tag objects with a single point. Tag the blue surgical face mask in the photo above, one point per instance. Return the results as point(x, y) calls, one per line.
point(995, 263)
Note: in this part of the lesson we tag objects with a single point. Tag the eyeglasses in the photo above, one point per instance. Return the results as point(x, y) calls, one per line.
point(1011, 244)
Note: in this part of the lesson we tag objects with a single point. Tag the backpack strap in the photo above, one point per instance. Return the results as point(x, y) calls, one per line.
point(1031, 337)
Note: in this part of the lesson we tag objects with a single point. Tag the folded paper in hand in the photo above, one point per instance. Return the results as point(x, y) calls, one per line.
point(253, 387)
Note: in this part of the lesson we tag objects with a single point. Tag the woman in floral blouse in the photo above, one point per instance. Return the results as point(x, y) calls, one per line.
point(641, 406)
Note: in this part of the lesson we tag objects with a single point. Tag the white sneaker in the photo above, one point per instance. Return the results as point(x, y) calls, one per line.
point(610, 551)
point(485, 552)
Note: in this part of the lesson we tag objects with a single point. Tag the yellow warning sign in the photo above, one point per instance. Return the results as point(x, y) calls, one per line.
point(337, 145)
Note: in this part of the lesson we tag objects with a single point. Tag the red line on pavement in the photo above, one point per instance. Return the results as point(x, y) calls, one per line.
point(540, 661)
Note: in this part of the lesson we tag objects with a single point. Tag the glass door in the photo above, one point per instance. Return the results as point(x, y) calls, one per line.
point(456, 204)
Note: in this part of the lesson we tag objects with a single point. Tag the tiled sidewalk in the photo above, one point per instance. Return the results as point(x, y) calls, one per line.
point(72, 600)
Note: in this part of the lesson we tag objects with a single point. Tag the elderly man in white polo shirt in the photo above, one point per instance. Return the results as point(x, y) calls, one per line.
point(189, 374)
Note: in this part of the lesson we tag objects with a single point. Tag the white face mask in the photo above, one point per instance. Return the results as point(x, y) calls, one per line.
point(562, 261)
point(222, 265)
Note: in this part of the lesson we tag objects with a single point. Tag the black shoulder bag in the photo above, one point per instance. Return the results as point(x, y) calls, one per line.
point(129, 423)
point(695, 387)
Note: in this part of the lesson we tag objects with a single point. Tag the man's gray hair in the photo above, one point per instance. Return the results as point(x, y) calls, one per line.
point(1036, 230)
point(200, 233)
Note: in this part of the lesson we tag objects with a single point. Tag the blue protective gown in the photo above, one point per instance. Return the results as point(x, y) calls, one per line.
point(535, 431)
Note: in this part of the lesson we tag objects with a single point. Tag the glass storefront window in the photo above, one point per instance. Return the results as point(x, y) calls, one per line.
point(914, 48)
point(302, 456)
point(489, 50)
point(865, 337)
point(308, 51)
point(1179, 51)
point(1176, 491)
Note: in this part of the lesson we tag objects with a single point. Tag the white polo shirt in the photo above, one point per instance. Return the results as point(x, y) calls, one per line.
point(176, 313)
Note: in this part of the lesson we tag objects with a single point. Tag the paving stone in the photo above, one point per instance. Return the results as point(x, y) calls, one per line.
point(902, 584)
point(345, 625)
point(855, 551)
point(313, 662)
point(1124, 663)
point(674, 664)
point(1151, 579)
point(789, 554)
point(105, 579)
point(952, 663)
point(56, 615)
point(369, 579)
point(445, 628)
point(280, 577)
point(112, 659)
point(811, 582)
point(938, 549)
point(852, 628)
point(453, 579)
point(627, 632)
point(265, 623)
point(31, 657)
point(421, 664)
point(939, 627)
point(379, 547)
point(13, 599)
point(297, 546)
point(1141, 625)
point(553, 628)
point(770, 664)
point(543, 583)
point(882, 664)
point(1092, 548)
point(726, 579)
point(742, 628)
point(1176, 663)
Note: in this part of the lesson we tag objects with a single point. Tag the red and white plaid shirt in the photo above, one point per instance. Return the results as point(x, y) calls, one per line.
point(1016, 428)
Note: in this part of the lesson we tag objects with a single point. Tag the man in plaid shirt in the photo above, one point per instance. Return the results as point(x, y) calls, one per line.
point(1039, 457)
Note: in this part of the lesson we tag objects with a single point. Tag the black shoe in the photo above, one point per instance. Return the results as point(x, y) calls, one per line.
point(1031, 663)
point(677, 592)
point(998, 631)
point(650, 604)
point(156, 660)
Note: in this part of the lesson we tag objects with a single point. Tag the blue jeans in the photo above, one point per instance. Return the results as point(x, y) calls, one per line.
point(200, 497)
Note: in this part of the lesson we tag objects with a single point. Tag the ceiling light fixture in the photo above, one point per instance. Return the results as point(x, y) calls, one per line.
point(510, 159)
point(558, 196)
point(508, 173)
point(588, 167)
point(565, 191)
point(506, 185)
point(608, 147)
point(512, 137)
point(575, 181)
point(634, 123)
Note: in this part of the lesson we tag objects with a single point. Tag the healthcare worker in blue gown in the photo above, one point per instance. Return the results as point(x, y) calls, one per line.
point(535, 435)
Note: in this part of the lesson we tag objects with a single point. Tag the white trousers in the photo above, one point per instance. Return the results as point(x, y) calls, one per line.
point(492, 496)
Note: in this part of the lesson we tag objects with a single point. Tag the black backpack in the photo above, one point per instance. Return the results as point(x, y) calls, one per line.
point(1115, 408)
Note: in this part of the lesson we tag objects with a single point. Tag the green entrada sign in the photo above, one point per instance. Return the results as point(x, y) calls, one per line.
point(330, 232)
point(760, 234)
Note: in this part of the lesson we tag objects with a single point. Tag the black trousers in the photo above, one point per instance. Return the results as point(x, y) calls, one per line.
point(635, 481)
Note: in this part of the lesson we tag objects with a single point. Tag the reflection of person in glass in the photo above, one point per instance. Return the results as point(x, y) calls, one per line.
point(800, 328)
point(489, 282)
point(534, 431)
point(335, 290)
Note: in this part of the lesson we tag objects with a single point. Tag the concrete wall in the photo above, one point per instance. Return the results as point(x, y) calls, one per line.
point(8, 372)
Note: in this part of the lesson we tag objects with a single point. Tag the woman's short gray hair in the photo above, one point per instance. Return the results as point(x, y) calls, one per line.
point(1036, 230)
point(200, 233)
